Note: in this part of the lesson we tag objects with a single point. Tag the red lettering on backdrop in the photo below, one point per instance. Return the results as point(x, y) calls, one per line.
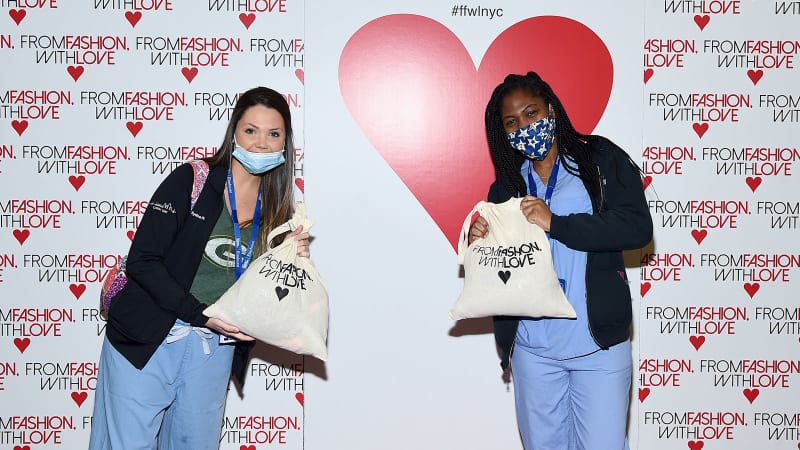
point(434, 137)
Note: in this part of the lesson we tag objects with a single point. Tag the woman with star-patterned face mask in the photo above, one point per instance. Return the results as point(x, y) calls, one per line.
point(572, 377)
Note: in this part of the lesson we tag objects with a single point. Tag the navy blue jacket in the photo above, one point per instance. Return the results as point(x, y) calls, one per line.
point(620, 221)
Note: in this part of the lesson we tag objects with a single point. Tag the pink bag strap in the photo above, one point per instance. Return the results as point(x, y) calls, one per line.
point(201, 170)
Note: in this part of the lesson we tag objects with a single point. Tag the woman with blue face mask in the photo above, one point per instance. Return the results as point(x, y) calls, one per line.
point(571, 377)
point(165, 366)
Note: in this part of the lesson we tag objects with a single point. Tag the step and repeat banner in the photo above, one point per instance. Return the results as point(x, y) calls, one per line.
point(99, 100)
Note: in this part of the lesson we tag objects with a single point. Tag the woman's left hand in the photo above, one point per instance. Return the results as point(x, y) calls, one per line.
point(536, 211)
point(302, 241)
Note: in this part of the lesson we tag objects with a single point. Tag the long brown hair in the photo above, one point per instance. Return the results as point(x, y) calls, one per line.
point(277, 185)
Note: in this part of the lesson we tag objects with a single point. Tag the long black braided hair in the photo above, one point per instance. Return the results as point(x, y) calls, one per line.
point(571, 144)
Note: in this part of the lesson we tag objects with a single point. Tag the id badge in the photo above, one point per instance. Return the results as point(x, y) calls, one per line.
point(227, 340)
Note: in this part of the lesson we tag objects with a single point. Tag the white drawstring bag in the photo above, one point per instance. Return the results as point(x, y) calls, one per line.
point(280, 299)
point(508, 272)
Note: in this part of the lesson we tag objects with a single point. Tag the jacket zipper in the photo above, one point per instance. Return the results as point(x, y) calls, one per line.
point(601, 181)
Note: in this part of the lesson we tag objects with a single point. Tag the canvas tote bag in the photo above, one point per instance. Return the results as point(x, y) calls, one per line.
point(508, 272)
point(280, 299)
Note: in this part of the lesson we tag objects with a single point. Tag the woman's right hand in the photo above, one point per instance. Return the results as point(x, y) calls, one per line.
point(478, 230)
point(226, 329)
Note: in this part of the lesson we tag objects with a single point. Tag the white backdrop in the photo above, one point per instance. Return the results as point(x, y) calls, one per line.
point(387, 101)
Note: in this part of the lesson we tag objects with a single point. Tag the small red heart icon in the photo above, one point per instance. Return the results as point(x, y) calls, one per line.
point(77, 289)
point(77, 182)
point(648, 73)
point(133, 17)
point(247, 447)
point(751, 288)
point(75, 72)
point(751, 394)
point(22, 447)
point(300, 184)
point(17, 15)
point(247, 19)
point(134, 127)
point(753, 182)
point(755, 75)
point(189, 74)
point(130, 234)
point(643, 393)
point(646, 180)
point(300, 75)
point(21, 235)
point(22, 344)
point(697, 341)
point(695, 445)
point(19, 126)
point(699, 235)
point(300, 398)
point(702, 21)
point(700, 129)
point(79, 397)
point(644, 288)
point(449, 172)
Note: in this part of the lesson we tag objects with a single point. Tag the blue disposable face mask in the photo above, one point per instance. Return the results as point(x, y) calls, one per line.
point(256, 162)
point(535, 139)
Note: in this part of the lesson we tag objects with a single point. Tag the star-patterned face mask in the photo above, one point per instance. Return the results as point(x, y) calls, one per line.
point(536, 139)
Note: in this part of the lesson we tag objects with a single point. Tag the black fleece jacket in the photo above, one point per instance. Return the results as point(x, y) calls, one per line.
point(162, 262)
point(620, 221)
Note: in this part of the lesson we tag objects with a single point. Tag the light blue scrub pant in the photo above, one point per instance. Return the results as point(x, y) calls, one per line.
point(176, 402)
point(574, 404)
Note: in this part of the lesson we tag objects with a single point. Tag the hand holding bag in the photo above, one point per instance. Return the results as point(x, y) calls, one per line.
point(508, 272)
point(280, 299)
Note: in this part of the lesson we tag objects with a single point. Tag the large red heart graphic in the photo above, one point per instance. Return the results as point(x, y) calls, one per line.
point(413, 89)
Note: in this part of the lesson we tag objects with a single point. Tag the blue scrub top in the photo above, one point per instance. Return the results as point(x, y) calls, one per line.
point(562, 338)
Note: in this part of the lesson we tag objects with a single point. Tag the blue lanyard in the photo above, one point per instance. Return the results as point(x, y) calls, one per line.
point(551, 185)
point(551, 182)
point(242, 260)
